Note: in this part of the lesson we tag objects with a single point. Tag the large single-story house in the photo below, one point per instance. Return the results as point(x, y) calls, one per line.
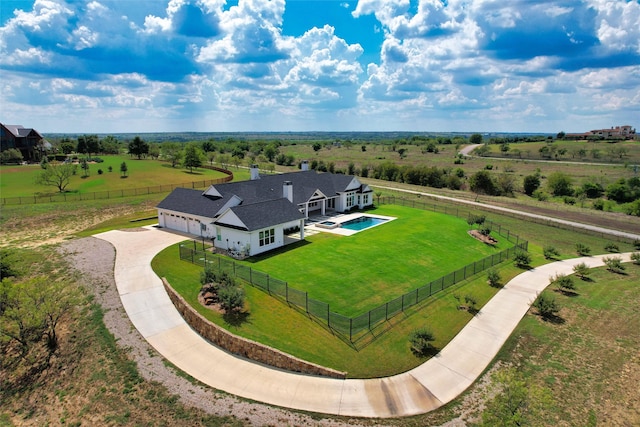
point(251, 217)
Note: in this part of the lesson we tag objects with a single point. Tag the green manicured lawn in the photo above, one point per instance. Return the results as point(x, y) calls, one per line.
point(357, 273)
point(380, 353)
point(381, 276)
point(19, 181)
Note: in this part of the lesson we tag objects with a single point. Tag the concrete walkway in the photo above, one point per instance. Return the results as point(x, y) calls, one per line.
point(427, 387)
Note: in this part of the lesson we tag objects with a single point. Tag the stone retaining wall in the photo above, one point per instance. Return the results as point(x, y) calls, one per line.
point(242, 346)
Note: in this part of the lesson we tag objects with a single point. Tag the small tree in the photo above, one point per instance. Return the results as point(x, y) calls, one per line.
point(124, 169)
point(531, 183)
point(471, 302)
point(57, 174)
point(611, 247)
point(493, 277)
point(635, 257)
point(85, 168)
point(231, 298)
point(547, 306)
point(420, 341)
point(522, 259)
point(614, 264)
point(582, 250)
point(563, 282)
point(550, 252)
point(582, 270)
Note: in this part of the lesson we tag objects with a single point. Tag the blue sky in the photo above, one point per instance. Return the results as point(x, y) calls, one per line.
point(319, 65)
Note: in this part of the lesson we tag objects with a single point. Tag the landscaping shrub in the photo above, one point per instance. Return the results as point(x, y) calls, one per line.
point(612, 247)
point(563, 282)
point(550, 252)
point(598, 204)
point(231, 298)
point(635, 257)
point(614, 264)
point(582, 249)
point(420, 341)
point(471, 302)
point(522, 259)
point(493, 277)
point(547, 306)
point(581, 270)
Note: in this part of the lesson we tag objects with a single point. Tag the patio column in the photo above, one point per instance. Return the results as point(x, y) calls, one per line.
point(324, 204)
point(302, 229)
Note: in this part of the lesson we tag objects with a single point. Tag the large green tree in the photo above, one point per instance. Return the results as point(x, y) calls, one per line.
point(138, 147)
point(31, 309)
point(560, 184)
point(192, 157)
point(57, 175)
point(482, 182)
point(172, 151)
point(476, 138)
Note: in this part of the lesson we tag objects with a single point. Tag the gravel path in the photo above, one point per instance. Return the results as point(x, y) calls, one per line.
point(95, 259)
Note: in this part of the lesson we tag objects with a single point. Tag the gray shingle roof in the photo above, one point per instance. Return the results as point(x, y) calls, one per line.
point(265, 214)
point(258, 192)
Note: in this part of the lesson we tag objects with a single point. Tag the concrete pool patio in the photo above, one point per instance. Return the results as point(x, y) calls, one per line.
point(422, 389)
point(315, 225)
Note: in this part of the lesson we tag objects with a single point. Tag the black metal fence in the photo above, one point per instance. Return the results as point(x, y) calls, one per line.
point(351, 327)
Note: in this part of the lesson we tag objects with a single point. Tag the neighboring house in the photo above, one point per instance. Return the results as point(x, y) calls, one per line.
point(30, 143)
point(251, 217)
point(618, 132)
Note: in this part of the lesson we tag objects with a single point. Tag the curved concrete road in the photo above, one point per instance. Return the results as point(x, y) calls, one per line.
point(427, 387)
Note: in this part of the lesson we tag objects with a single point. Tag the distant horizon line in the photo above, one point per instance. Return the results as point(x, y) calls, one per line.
point(310, 132)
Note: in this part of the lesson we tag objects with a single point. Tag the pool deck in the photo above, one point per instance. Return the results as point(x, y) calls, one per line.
point(313, 228)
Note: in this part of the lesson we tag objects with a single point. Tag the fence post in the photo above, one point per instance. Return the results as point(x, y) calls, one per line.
point(251, 275)
point(350, 329)
point(306, 302)
point(328, 317)
point(286, 291)
point(369, 319)
point(386, 311)
point(268, 289)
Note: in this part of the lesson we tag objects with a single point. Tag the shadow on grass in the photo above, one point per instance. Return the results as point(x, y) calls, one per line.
point(266, 255)
point(427, 353)
point(553, 318)
point(568, 293)
point(236, 318)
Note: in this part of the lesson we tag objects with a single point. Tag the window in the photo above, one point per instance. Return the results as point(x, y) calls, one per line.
point(267, 237)
point(218, 234)
point(351, 199)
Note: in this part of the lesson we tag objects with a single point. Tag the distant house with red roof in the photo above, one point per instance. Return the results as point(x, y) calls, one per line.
point(619, 132)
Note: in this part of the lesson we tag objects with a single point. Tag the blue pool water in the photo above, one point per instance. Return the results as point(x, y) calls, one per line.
point(362, 223)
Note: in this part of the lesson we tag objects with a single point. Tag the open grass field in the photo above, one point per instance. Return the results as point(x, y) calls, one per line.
point(590, 359)
point(357, 273)
point(19, 181)
point(518, 166)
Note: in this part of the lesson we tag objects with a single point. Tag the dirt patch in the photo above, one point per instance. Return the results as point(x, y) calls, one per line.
point(483, 238)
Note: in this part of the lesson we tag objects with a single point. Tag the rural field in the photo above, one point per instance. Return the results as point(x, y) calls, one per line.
point(583, 367)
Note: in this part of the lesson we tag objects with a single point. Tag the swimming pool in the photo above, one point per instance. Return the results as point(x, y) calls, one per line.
point(362, 222)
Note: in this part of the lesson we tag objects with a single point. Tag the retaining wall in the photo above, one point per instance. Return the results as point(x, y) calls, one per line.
point(242, 346)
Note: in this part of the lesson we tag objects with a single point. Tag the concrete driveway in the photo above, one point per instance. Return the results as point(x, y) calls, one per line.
point(425, 388)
